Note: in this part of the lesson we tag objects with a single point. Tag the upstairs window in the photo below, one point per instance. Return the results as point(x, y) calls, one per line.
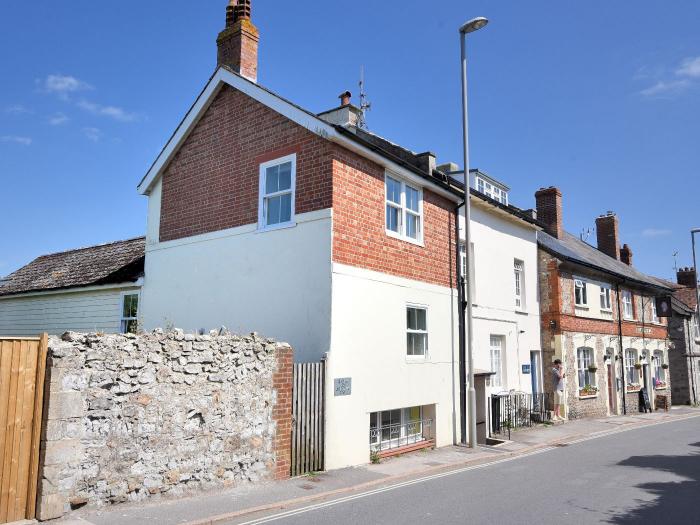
point(463, 267)
point(416, 331)
point(404, 210)
point(580, 292)
point(130, 310)
point(491, 190)
point(518, 269)
point(627, 308)
point(277, 188)
point(654, 313)
point(605, 302)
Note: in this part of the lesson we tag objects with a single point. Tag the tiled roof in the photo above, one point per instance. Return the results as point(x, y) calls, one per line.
point(120, 261)
point(687, 296)
point(573, 249)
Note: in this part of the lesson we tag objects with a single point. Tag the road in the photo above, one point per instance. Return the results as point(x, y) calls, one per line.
point(647, 475)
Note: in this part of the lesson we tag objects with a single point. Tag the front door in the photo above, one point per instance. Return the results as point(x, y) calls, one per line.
point(535, 372)
point(611, 389)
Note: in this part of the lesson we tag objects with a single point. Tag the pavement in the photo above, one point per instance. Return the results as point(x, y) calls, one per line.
point(338, 487)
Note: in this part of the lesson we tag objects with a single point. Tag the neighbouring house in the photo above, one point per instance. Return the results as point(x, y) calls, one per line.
point(684, 333)
point(265, 216)
point(89, 289)
point(599, 316)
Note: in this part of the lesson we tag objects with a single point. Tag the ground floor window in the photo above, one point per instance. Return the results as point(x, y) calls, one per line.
point(659, 372)
point(496, 356)
point(631, 370)
point(130, 309)
point(395, 428)
point(586, 371)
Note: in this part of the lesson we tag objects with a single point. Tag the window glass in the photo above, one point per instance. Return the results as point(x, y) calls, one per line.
point(496, 359)
point(393, 190)
point(584, 360)
point(403, 209)
point(518, 270)
point(130, 306)
point(417, 331)
point(277, 194)
point(630, 370)
point(580, 292)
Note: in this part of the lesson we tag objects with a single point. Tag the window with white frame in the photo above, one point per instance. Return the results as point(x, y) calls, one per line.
point(130, 310)
point(394, 428)
point(277, 189)
point(580, 292)
point(496, 357)
point(519, 272)
point(654, 313)
point(584, 360)
point(631, 371)
point(627, 308)
point(605, 301)
point(659, 372)
point(404, 210)
point(416, 331)
point(463, 266)
point(491, 190)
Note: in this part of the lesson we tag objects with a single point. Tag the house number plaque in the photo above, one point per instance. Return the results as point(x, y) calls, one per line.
point(342, 386)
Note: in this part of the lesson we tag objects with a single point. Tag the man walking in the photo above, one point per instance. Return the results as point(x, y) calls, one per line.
point(558, 376)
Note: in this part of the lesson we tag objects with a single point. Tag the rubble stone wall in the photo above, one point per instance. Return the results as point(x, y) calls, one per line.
point(128, 417)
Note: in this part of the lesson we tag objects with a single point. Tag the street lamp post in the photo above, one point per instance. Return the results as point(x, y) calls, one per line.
point(695, 269)
point(469, 27)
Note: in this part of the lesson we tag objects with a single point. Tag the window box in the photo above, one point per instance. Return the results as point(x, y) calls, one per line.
point(664, 366)
point(660, 385)
point(634, 387)
point(588, 391)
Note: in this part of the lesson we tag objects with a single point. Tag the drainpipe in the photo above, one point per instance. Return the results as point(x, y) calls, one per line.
point(689, 353)
point(622, 350)
point(462, 321)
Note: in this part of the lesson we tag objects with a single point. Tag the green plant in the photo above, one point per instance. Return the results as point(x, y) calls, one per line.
point(374, 457)
point(592, 369)
point(664, 366)
point(588, 390)
point(638, 365)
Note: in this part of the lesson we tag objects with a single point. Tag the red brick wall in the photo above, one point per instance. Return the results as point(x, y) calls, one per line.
point(282, 412)
point(212, 183)
point(359, 235)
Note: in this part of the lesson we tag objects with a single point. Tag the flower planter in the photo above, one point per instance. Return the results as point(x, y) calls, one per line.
point(665, 366)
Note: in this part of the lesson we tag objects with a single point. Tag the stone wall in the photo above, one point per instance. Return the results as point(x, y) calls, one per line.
point(130, 417)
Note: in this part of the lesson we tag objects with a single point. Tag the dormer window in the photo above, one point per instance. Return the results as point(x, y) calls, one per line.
point(491, 188)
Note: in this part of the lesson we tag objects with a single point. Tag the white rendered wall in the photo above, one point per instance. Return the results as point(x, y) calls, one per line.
point(95, 310)
point(368, 344)
point(498, 240)
point(277, 283)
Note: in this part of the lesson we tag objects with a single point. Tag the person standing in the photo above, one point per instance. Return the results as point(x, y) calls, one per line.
point(558, 376)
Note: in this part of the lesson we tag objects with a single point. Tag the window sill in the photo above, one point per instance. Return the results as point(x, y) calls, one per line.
point(411, 360)
point(521, 312)
point(634, 391)
point(281, 226)
point(394, 235)
point(588, 396)
point(582, 307)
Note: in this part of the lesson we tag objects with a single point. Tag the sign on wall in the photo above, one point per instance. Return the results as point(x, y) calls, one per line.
point(663, 306)
point(342, 386)
point(526, 369)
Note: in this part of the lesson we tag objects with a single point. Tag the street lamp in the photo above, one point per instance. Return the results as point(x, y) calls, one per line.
point(695, 269)
point(469, 27)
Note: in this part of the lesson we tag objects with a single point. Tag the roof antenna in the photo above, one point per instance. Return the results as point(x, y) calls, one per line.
point(675, 261)
point(585, 234)
point(365, 105)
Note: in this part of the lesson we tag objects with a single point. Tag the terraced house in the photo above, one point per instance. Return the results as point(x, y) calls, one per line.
point(599, 316)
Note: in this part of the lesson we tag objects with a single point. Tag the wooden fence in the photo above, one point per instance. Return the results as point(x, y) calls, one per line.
point(308, 410)
point(22, 370)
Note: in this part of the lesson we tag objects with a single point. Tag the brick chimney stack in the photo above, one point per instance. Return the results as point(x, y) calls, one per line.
point(608, 231)
point(549, 211)
point(687, 277)
point(626, 254)
point(237, 45)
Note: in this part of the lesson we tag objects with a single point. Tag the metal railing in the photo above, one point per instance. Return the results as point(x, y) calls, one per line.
point(388, 437)
point(513, 410)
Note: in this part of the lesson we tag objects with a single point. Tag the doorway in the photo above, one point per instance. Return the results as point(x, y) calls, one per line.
point(536, 371)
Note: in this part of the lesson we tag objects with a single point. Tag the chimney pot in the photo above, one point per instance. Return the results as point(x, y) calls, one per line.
point(626, 254)
point(608, 234)
point(345, 98)
point(549, 210)
point(687, 277)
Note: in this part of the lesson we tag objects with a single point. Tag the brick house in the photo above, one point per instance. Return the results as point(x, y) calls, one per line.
point(599, 316)
point(265, 216)
point(684, 334)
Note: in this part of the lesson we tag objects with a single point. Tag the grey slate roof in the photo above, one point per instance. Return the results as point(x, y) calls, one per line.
point(573, 249)
point(115, 262)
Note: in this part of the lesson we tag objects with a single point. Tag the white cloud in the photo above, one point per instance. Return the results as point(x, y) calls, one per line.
point(665, 88)
point(58, 118)
point(656, 232)
point(92, 134)
point(690, 67)
point(17, 109)
point(63, 84)
point(24, 141)
point(113, 112)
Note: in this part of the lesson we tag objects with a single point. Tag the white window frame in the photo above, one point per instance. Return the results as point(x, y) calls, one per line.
point(519, 276)
point(497, 378)
point(123, 320)
point(631, 357)
point(426, 332)
point(394, 439)
point(582, 364)
point(659, 372)
point(581, 284)
point(627, 304)
point(262, 219)
point(463, 267)
point(654, 314)
point(491, 190)
point(605, 298)
point(404, 211)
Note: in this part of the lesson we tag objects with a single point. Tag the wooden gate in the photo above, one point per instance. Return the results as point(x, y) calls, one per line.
point(22, 370)
point(308, 421)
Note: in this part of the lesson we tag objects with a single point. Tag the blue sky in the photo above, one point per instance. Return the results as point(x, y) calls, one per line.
point(599, 98)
